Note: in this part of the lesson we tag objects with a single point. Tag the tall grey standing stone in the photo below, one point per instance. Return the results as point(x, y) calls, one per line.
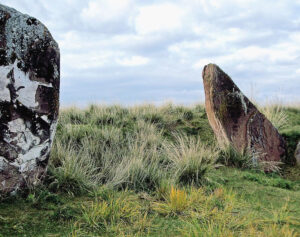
point(29, 98)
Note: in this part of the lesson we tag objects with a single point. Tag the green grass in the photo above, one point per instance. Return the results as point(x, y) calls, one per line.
point(238, 206)
point(148, 171)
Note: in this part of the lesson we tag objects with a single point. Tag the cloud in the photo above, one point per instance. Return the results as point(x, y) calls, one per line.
point(161, 18)
point(133, 61)
point(105, 11)
point(133, 51)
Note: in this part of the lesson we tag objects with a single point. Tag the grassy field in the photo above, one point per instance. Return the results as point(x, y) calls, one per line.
point(156, 171)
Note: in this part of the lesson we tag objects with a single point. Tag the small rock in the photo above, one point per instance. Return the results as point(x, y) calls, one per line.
point(29, 98)
point(236, 120)
point(297, 153)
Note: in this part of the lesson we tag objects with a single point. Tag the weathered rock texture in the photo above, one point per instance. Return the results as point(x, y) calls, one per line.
point(297, 154)
point(29, 98)
point(236, 120)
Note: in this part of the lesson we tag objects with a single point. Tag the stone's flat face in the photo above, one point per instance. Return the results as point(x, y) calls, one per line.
point(297, 153)
point(29, 98)
point(236, 120)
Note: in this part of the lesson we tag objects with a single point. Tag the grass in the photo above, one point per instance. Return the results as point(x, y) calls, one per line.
point(147, 171)
point(130, 147)
point(190, 160)
point(276, 114)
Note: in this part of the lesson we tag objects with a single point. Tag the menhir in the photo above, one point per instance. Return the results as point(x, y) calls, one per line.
point(29, 98)
point(235, 120)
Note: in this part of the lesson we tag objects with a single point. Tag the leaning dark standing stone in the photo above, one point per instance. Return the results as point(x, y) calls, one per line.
point(236, 120)
point(29, 98)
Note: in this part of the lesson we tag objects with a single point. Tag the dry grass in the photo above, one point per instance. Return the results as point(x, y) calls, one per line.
point(124, 147)
point(190, 158)
point(276, 114)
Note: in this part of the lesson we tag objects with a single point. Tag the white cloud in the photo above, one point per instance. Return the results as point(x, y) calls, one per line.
point(251, 54)
point(151, 50)
point(105, 10)
point(295, 37)
point(133, 61)
point(75, 61)
point(165, 17)
point(202, 62)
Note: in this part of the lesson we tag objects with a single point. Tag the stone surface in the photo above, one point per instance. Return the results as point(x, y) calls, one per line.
point(297, 154)
point(236, 120)
point(29, 98)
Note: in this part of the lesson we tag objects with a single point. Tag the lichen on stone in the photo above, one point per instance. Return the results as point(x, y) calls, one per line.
point(241, 97)
point(233, 117)
point(29, 98)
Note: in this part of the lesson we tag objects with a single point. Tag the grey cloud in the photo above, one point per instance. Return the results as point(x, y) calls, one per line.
point(170, 74)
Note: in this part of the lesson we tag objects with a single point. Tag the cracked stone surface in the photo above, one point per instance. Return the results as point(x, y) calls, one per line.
point(29, 98)
point(236, 120)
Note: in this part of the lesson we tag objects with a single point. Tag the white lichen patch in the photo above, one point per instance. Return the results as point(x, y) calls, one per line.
point(56, 71)
point(22, 138)
point(52, 132)
point(45, 118)
point(28, 161)
point(25, 88)
point(3, 163)
point(241, 96)
point(4, 81)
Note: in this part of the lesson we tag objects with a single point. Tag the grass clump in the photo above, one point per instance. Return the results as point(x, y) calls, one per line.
point(72, 171)
point(190, 159)
point(112, 215)
point(176, 202)
point(276, 114)
point(229, 156)
point(100, 214)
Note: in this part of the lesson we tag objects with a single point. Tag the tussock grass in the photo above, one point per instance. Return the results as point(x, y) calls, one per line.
point(229, 156)
point(129, 147)
point(100, 215)
point(176, 202)
point(190, 159)
point(142, 146)
point(72, 171)
point(276, 114)
point(155, 170)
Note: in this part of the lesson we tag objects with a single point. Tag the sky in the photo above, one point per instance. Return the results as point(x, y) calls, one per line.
point(131, 52)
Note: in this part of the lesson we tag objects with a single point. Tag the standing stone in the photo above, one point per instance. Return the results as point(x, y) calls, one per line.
point(29, 98)
point(297, 154)
point(236, 120)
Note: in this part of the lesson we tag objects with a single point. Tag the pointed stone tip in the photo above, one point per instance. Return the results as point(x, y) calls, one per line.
point(211, 65)
point(208, 69)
